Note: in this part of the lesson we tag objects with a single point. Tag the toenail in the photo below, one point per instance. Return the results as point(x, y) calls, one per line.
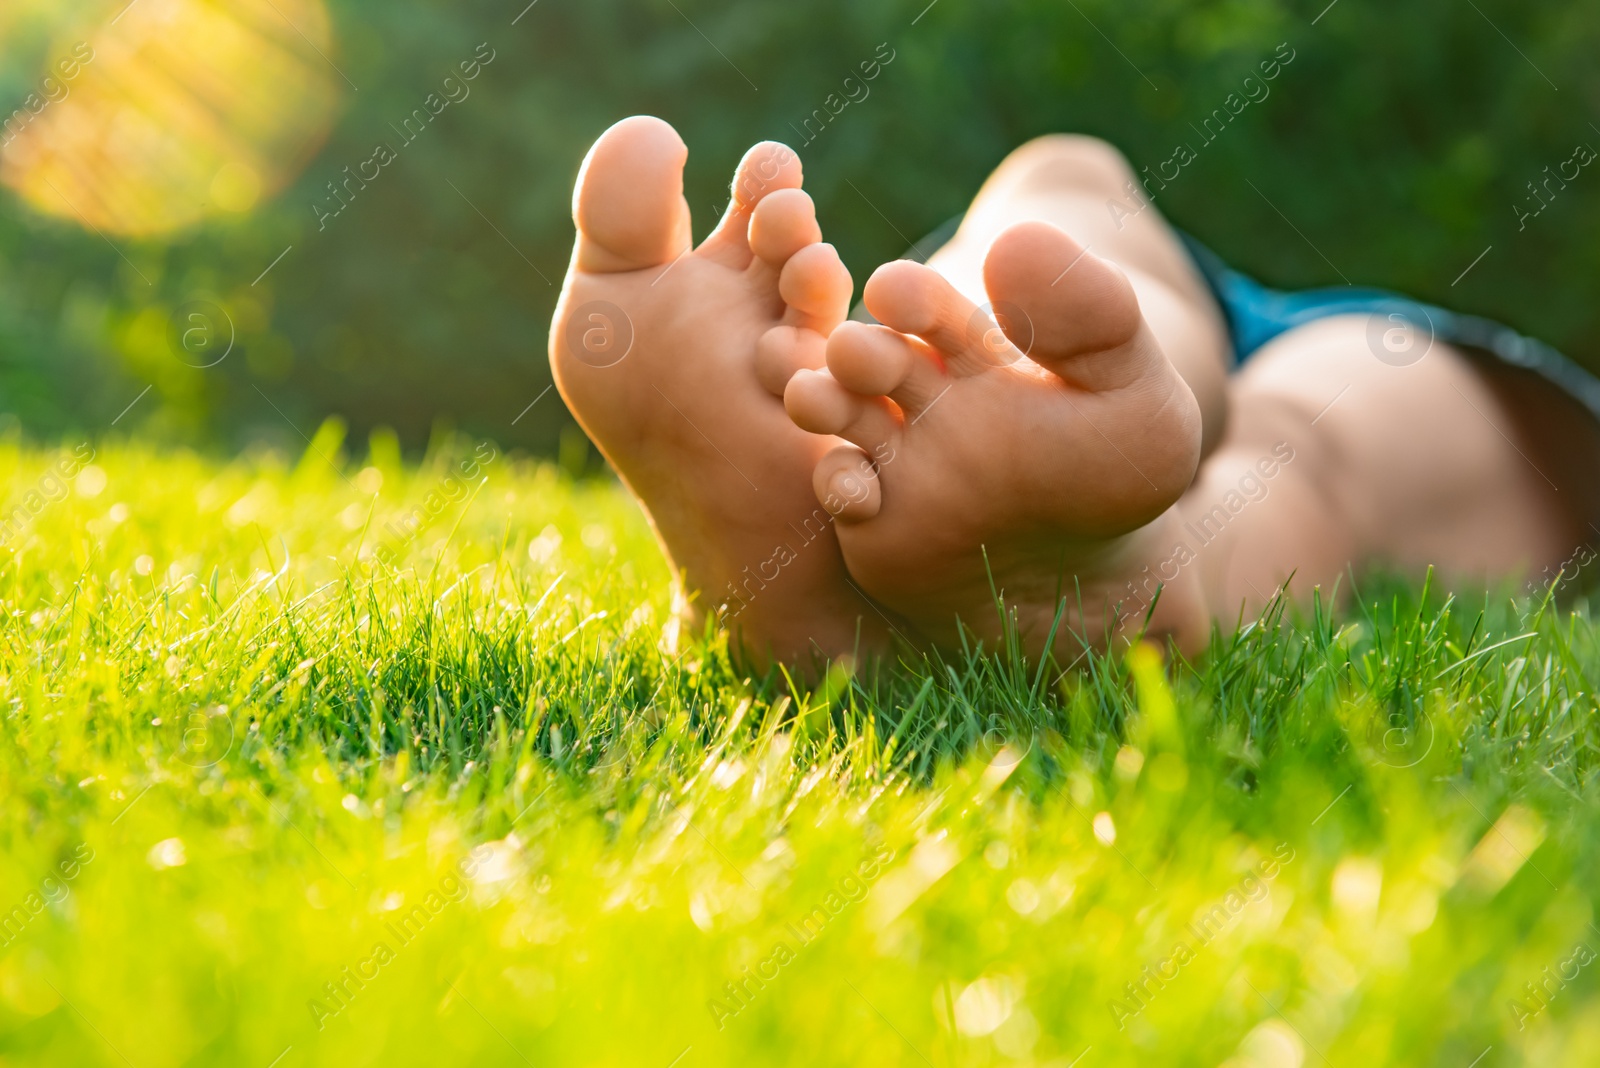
point(599, 333)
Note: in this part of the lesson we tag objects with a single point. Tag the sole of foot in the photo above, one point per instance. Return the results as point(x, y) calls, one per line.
point(674, 360)
point(1029, 451)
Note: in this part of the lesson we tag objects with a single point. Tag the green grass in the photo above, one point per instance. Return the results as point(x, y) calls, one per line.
point(483, 780)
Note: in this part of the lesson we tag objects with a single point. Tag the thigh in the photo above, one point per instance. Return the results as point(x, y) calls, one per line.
point(1422, 457)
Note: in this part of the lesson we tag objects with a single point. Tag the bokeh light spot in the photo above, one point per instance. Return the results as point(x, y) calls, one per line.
point(184, 109)
point(236, 188)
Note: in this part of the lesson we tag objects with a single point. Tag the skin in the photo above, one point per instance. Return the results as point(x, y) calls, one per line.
point(1084, 444)
point(661, 351)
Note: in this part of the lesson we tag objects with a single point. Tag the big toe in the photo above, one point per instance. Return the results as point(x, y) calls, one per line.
point(629, 206)
point(1064, 306)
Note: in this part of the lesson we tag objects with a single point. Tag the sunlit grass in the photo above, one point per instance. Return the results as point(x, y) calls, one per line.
point(344, 796)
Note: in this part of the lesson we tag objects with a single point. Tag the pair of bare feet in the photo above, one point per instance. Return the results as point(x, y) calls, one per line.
point(821, 485)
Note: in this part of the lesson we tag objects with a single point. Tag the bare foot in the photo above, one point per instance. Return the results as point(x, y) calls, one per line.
point(1039, 459)
point(674, 360)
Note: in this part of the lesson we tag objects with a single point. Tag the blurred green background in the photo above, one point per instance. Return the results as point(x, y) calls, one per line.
point(1396, 142)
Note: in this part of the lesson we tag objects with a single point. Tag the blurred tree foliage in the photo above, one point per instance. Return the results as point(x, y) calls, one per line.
point(1394, 146)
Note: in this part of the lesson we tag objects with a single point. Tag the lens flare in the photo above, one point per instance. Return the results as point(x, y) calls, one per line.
point(176, 111)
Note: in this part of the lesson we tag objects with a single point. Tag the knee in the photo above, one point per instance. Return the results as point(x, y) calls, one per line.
point(1075, 160)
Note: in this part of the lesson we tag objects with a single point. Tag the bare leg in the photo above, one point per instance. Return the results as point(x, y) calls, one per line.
point(1070, 181)
point(674, 360)
point(1026, 473)
point(1415, 465)
point(1412, 465)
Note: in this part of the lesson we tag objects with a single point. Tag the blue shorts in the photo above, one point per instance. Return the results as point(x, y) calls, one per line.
point(1256, 314)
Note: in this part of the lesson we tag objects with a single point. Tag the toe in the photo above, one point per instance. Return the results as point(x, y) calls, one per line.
point(767, 168)
point(629, 207)
point(818, 404)
point(877, 361)
point(846, 483)
point(782, 224)
point(916, 299)
point(785, 350)
point(1074, 312)
point(817, 288)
